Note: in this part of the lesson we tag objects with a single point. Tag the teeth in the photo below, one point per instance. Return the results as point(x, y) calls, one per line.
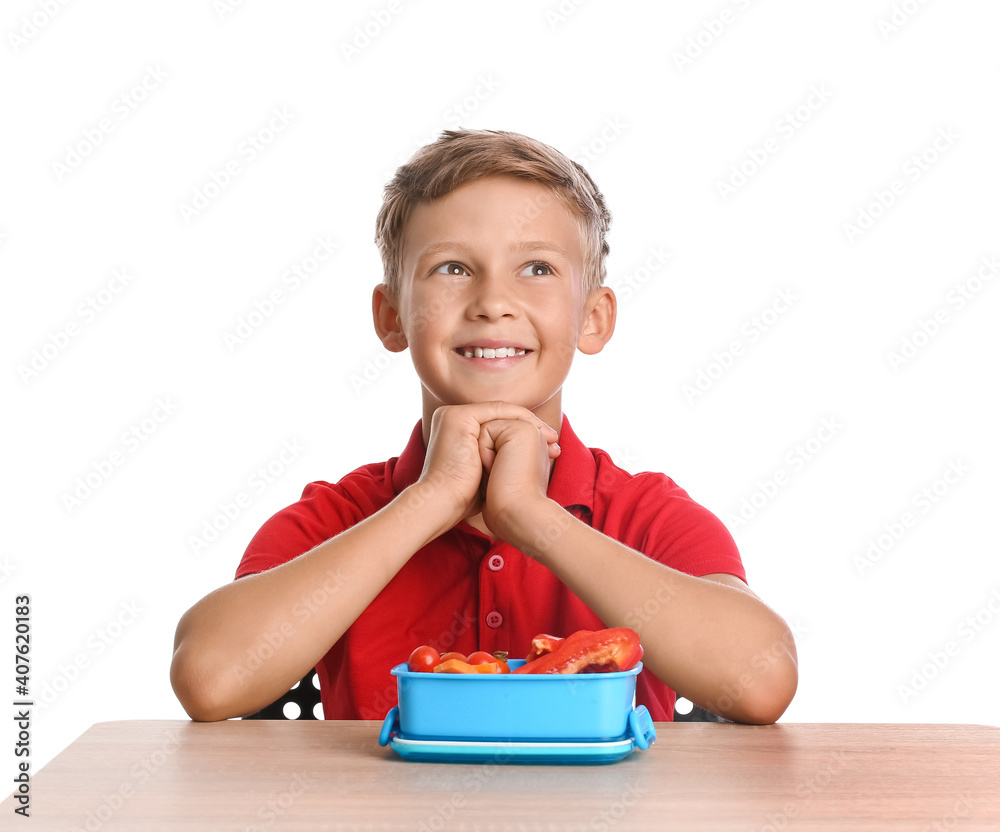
point(487, 352)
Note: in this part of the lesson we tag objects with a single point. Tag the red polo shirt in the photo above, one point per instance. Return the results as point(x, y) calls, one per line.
point(464, 592)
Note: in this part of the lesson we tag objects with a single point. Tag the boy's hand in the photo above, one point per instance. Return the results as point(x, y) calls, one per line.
point(460, 451)
point(517, 459)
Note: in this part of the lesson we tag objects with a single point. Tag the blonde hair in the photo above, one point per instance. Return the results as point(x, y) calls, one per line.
point(462, 156)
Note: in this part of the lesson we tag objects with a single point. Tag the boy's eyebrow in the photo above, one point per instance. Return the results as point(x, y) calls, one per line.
point(439, 248)
point(518, 248)
point(539, 245)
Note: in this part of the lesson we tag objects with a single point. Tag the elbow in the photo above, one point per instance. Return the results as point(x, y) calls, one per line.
point(197, 689)
point(764, 709)
point(199, 677)
point(764, 702)
point(772, 682)
point(758, 699)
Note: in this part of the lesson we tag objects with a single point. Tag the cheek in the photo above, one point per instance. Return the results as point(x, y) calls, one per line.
point(562, 345)
point(425, 316)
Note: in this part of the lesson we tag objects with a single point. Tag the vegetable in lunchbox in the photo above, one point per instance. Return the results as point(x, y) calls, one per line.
point(585, 651)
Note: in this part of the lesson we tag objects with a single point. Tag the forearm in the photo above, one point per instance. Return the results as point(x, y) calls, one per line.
point(244, 645)
point(719, 646)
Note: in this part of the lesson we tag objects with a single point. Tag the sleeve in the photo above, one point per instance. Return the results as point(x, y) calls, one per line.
point(668, 526)
point(323, 511)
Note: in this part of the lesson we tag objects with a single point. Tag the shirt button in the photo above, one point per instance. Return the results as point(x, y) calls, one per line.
point(494, 619)
point(496, 563)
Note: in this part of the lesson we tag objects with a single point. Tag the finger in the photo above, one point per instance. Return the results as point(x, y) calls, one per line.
point(492, 436)
point(498, 433)
point(487, 452)
point(494, 428)
point(505, 411)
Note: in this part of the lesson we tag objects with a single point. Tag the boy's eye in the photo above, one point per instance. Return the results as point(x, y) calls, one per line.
point(537, 269)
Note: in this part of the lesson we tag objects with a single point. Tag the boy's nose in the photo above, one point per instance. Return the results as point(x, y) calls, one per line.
point(492, 298)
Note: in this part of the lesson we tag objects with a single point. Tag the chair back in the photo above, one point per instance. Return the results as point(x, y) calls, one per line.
point(301, 702)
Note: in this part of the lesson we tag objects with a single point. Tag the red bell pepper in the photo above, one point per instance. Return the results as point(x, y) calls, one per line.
point(586, 651)
point(542, 644)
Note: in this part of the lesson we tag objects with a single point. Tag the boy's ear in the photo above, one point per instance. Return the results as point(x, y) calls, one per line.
point(385, 313)
point(600, 313)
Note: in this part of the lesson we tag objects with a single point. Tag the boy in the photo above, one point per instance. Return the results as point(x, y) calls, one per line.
point(495, 523)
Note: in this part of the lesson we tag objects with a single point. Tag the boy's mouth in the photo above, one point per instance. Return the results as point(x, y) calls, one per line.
point(490, 352)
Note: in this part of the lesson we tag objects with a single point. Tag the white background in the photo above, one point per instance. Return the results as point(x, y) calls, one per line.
point(606, 83)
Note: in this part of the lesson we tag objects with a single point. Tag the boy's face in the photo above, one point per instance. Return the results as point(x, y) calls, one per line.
point(494, 266)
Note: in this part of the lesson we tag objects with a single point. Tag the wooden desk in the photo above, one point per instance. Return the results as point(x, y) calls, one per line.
point(259, 775)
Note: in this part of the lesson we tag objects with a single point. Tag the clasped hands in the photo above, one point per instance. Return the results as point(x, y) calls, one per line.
point(492, 458)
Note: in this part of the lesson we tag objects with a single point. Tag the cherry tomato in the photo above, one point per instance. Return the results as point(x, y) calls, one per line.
point(480, 657)
point(453, 655)
point(423, 659)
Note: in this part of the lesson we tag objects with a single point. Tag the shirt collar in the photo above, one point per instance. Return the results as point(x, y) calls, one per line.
point(573, 475)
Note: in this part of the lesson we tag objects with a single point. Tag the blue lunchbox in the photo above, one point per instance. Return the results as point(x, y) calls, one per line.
point(579, 717)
